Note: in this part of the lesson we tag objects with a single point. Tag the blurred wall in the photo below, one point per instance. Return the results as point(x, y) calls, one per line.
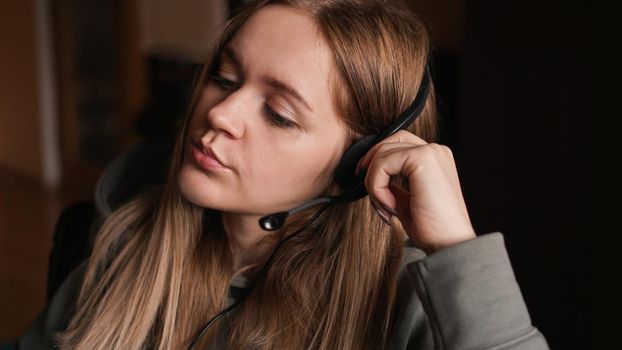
point(29, 145)
point(181, 27)
point(20, 138)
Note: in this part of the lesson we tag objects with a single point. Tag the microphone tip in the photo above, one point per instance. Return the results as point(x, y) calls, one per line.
point(274, 221)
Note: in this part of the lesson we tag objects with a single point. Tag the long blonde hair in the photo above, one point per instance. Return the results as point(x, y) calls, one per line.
point(161, 266)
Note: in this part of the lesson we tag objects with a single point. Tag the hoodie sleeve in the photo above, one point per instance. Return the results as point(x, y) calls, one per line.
point(463, 297)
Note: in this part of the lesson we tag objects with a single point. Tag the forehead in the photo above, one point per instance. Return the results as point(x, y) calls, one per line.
point(286, 30)
point(284, 43)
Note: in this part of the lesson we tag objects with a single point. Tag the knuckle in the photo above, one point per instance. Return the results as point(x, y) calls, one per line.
point(429, 153)
point(440, 149)
point(402, 132)
point(381, 146)
point(400, 136)
point(435, 146)
point(448, 151)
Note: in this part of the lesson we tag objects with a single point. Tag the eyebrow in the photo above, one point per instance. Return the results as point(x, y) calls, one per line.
point(268, 80)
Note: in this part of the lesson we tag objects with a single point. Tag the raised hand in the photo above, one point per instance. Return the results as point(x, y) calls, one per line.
point(433, 212)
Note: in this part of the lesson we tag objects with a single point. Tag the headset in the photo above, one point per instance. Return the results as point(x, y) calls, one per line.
point(344, 173)
point(344, 176)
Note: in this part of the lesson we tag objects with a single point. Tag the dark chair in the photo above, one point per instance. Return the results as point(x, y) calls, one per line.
point(142, 165)
point(71, 243)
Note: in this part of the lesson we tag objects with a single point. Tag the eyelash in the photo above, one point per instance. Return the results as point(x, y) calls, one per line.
point(274, 118)
point(277, 120)
point(224, 83)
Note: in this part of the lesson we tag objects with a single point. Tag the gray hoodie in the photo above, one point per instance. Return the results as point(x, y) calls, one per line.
point(461, 297)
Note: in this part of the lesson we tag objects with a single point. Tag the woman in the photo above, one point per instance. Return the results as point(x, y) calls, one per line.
point(290, 86)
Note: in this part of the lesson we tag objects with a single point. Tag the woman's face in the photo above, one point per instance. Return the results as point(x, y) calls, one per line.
point(268, 113)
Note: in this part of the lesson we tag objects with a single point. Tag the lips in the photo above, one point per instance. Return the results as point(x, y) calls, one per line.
point(208, 151)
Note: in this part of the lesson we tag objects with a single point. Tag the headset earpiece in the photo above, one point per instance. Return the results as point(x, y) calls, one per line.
point(344, 173)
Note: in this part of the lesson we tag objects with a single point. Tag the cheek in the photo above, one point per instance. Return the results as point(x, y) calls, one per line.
point(296, 169)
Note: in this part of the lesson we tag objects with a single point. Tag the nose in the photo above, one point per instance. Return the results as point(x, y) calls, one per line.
point(227, 114)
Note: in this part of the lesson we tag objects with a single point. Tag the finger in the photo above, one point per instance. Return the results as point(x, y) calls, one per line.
point(380, 170)
point(402, 205)
point(404, 161)
point(404, 136)
point(382, 148)
point(402, 199)
point(401, 136)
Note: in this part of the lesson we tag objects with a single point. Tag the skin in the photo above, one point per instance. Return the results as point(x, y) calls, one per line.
point(433, 213)
point(273, 168)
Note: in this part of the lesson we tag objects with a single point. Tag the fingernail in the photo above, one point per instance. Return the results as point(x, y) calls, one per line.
point(379, 205)
point(384, 215)
point(389, 210)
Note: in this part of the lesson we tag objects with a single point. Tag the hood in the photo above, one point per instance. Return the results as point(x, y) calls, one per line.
point(144, 163)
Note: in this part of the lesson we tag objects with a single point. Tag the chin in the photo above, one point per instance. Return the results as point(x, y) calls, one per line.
point(194, 188)
point(210, 193)
point(200, 191)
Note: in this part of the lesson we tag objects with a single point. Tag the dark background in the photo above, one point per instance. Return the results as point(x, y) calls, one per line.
point(528, 99)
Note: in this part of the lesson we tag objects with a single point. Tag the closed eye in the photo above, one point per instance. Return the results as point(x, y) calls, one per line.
point(278, 120)
point(224, 83)
point(273, 117)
